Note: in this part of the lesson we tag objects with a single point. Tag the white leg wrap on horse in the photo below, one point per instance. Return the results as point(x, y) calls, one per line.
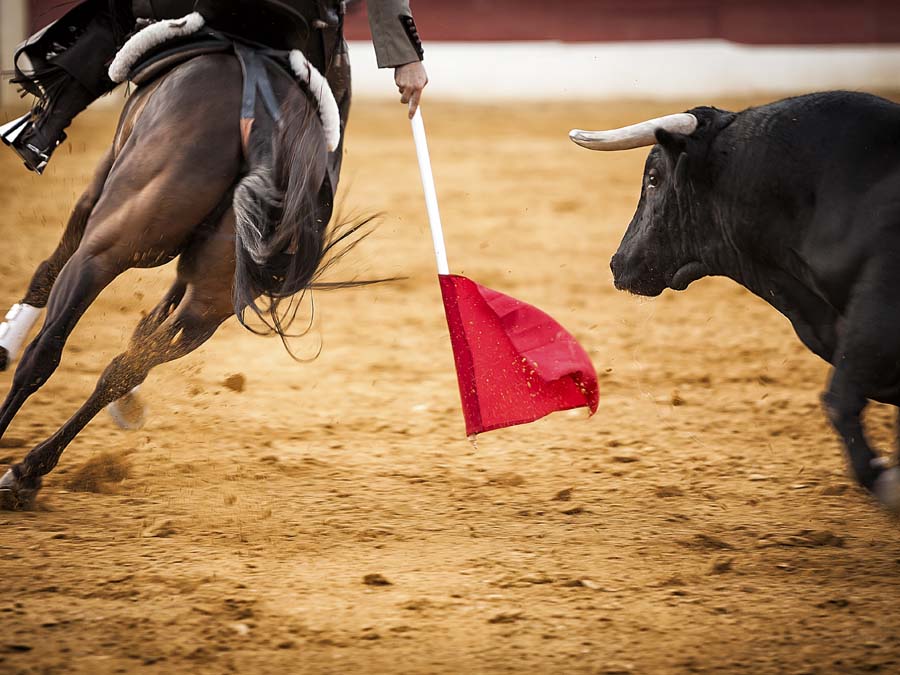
point(14, 331)
point(152, 36)
point(321, 91)
point(129, 411)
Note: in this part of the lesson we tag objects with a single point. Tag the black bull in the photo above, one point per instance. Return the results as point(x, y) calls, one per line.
point(799, 202)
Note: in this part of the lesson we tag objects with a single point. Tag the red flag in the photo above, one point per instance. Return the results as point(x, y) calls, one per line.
point(514, 363)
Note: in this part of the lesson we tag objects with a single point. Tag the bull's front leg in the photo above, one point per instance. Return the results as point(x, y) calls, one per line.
point(844, 403)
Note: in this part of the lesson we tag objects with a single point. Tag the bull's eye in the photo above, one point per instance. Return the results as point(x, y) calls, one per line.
point(652, 178)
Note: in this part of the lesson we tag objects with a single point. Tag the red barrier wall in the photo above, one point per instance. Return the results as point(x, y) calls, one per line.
point(749, 21)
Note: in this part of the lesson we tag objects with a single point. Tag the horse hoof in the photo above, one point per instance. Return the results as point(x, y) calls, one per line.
point(4, 359)
point(129, 411)
point(887, 489)
point(14, 496)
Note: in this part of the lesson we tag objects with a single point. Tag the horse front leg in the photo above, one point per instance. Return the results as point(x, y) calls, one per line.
point(24, 314)
point(80, 282)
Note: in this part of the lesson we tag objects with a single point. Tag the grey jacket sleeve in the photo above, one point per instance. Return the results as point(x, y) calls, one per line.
point(394, 33)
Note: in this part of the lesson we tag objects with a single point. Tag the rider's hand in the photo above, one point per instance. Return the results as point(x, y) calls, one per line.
point(411, 80)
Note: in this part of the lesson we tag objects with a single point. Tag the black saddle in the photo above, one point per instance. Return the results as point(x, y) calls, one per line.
point(173, 53)
point(277, 24)
point(312, 26)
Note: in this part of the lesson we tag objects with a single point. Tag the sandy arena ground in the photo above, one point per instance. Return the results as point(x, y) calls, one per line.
point(702, 521)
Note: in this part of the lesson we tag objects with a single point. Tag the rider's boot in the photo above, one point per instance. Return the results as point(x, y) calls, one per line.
point(36, 135)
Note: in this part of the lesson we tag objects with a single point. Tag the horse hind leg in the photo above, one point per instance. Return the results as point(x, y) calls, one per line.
point(129, 411)
point(24, 314)
point(188, 328)
point(205, 275)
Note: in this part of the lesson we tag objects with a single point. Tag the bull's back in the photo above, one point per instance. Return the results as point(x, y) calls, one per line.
point(823, 173)
point(847, 137)
point(848, 144)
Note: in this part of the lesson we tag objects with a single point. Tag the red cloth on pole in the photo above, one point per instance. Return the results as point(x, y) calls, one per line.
point(514, 363)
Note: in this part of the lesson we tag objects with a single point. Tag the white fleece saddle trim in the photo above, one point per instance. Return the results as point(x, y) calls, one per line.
point(321, 91)
point(152, 36)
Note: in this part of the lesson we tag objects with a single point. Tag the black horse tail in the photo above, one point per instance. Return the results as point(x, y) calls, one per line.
point(282, 209)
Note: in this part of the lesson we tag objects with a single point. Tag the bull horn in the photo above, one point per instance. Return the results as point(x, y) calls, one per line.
point(636, 135)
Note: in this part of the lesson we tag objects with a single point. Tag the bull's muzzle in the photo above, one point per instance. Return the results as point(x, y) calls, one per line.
point(635, 276)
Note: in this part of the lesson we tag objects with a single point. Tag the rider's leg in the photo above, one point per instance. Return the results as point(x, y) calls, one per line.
point(79, 77)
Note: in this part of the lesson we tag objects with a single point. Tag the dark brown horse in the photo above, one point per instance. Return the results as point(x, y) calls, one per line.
point(171, 185)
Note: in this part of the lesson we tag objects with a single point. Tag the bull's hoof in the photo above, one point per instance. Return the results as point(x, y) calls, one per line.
point(129, 412)
point(14, 496)
point(887, 489)
point(4, 359)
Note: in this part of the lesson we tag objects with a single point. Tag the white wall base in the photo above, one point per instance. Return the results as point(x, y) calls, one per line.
point(690, 69)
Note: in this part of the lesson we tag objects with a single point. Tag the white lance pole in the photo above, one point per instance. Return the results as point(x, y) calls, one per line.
point(431, 203)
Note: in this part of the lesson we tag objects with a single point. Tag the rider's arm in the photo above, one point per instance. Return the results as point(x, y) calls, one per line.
point(397, 45)
point(394, 33)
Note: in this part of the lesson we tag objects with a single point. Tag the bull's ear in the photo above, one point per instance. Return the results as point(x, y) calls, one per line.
point(674, 144)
